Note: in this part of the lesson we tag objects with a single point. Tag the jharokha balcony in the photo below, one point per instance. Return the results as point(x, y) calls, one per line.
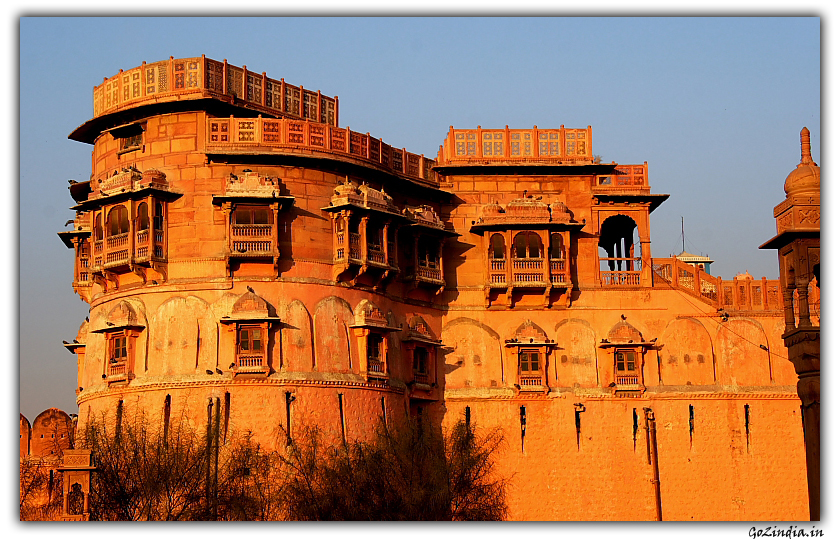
point(250, 363)
point(252, 239)
point(527, 272)
point(117, 371)
point(118, 250)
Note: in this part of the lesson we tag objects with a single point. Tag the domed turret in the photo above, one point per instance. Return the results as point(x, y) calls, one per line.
point(806, 176)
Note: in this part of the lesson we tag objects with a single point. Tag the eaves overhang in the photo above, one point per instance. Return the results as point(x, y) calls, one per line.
point(631, 198)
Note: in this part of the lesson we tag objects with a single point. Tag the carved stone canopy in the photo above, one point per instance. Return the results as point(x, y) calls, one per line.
point(122, 316)
point(419, 331)
point(251, 184)
point(530, 334)
point(624, 334)
point(363, 196)
point(368, 315)
point(251, 307)
point(528, 210)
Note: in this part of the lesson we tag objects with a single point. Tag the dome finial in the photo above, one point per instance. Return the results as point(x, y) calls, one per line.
point(805, 139)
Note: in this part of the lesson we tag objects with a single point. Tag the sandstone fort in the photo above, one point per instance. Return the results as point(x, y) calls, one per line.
point(242, 251)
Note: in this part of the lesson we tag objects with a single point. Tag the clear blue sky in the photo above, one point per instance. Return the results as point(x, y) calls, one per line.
point(714, 105)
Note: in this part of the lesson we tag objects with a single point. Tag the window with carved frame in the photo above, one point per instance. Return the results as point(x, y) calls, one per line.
point(527, 245)
point(627, 363)
point(250, 346)
point(120, 353)
point(375, 350)
point(529, 362)
point(421, 361)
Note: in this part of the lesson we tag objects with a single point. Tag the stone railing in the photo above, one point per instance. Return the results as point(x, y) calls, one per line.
point(186, 78)
point(479, 146)
point(246, 362)
point(244, 134)
point(742, 294)
point(530, 380)
point(621, 278)
point(627, 380)
point(429, 273)
point(623, 178)
point(557, 271)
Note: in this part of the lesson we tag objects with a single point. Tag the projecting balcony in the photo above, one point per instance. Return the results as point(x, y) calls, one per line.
point(528, 271)
point(498, 273)
point(628, 384)
point(375, 254)
point(376, 369)
point(426, 274)
point(116, 250)
point(251, 363)
point(117, 372)
point(557, 272)
point(348, 251)
point(531, 382)
point(627, 380)
point(115, 253)
point(148, 245)
point(252, 240)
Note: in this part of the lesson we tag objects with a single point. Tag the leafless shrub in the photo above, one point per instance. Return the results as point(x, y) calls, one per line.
point(405, 473)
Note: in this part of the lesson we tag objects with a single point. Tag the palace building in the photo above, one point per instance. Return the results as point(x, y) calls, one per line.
point(241, 250)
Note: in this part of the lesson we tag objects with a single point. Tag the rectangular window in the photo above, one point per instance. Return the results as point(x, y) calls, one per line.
point(421, 357)
point(625, 361)
point(529, 361)
point(250, 340)
point(118, 348)
point(374, 349)
point(252, 216)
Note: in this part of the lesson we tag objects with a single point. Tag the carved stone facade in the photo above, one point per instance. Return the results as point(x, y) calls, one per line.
point(303, 273)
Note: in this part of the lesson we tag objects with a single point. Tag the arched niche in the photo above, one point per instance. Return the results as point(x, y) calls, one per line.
point(183, 335)
point(298, 352)
point(783, 371)
point(741, 360)
point(574, 362)
point(473, 355)
point(334, 352)
point(686, 356)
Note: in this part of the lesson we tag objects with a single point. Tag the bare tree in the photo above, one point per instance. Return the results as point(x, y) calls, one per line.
point(405, 473)
point(147, 472)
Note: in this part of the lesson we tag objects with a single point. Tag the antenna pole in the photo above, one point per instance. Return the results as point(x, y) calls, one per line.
point(682, 226)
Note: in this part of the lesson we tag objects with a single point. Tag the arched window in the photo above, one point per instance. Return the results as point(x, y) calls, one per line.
point(497, 246)
point(97, 227)
point(117, 221)
point(159, 216)
point(143, 216)
point(557, 251)
point(527, 245)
